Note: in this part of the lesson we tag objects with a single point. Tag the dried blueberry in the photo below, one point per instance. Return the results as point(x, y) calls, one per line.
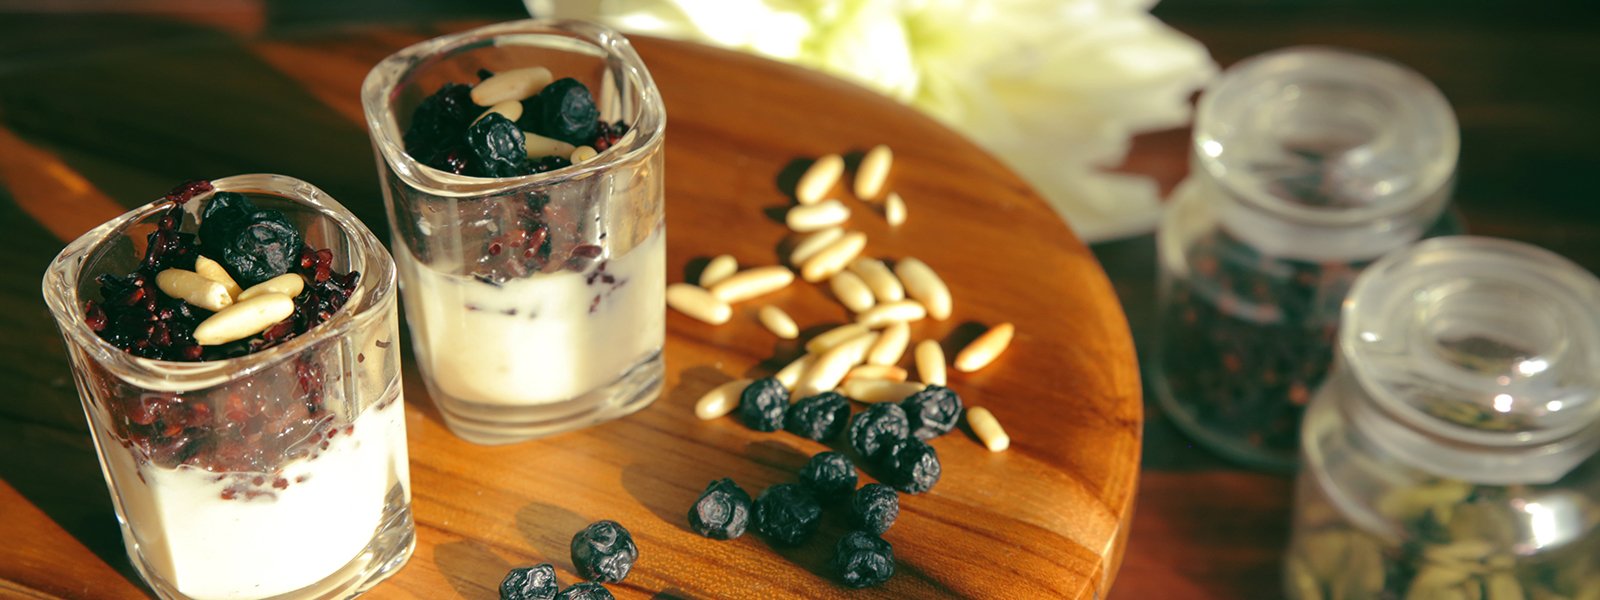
point(530, 583)
point(874, 508)
point(439, 120)
point(830, 475)
point(820, 417)
point(266, 246)
point(933, 412)
point(604, 552)
point(563, 110)
point(762, 403)
point(878, 426)
point(722, 512)
point(910, 465)
point(585, 591)
point(224, 214)
point(863, 560)
point(787, 514)
point(497, 147)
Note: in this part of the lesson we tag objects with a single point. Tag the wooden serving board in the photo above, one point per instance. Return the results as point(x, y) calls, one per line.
point(1048, 518)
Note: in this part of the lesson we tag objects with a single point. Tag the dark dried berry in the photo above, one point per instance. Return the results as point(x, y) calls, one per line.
point(762, 403)
point(439, 120)
point(530, 583)
point(910, 465)
point(830, 475)
point(787, 514)
point(874, 508)
point(497, 147)
point(933, 412)
point(604, 552)
point(820, 417)
point(225, 213)
point(863, 560)
point(266, 247)
point(722, 512)
point(878, 426)
point(563, 110)
point(585, 591)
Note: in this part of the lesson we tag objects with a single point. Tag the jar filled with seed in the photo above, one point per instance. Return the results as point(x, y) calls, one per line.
point(1307, 165)
point(1450, 454)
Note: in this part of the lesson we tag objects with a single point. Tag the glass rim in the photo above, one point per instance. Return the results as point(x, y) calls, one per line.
point(377, 96)
point(374, 291)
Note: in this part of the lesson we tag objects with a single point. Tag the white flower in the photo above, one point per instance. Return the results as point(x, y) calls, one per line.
point(1053, 87)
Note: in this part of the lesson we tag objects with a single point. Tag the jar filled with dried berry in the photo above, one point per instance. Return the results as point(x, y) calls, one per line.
point(1307, 165)
point(1449, 453)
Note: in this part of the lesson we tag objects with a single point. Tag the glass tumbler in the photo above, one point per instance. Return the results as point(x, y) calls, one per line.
point(277, 474)
point(536, 303)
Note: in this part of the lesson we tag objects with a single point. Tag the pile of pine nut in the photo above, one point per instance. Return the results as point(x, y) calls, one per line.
point(860, 359)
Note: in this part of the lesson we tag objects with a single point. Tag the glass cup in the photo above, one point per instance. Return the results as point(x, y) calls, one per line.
point(278, 474)
point(536, 303)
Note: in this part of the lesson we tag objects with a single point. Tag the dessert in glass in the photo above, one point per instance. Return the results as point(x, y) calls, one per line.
point(241, 381)
point(522, 171)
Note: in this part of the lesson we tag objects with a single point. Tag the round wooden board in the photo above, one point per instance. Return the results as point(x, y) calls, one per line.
point(1048, 518)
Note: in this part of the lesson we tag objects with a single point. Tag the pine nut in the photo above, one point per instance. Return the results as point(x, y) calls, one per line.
point(833, 337)
point(512, 85)
point(851, 291)
point(779, 322)
point(880, 372)
point(818, 179)
point(988, 429)
point(812, 217)
point(873, 391)
point(983, 350)
point(721, 400)
point(243, 319)
point(288, 284)
point(891, 344)
point(191, 287)
point(583, 154)
point(873, 172)
point(925, 286)
point(213, 270)
point(835, 257)
point(808, 247)
point(889, 312)
point(831, 366)
point(878, 277)
point(510, 109)
point(930, 362)
point(750, 283)
point(538, 145)
point(790, 373)
point(698, 303)
point(718, 269)
point(894, 210)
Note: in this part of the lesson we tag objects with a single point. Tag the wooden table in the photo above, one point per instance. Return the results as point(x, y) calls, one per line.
point(1048, 518)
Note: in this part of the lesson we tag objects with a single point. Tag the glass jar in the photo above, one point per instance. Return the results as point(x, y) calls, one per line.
point(1448, 456)
point(1307, 164)
point(536, 303)
point(278, 474)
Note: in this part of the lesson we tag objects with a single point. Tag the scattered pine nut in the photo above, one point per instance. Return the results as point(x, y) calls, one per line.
point(510, 109)
point(779, 322)
point(718, 269)
point(835, 257)
point(988, 429)
point(808, 247)
point(819, 178)
point(880, 372)
point(721, 400)
point(894, 210)
point(890, 312)
point(750, 283)
point(538, 145)
point(873, 391)
point(821, 215)
point(511, 85)
point(873, 172)
point(925, 286)
point(583, 154)
point(851, 291)
point(833, 337)
point(243, 319)
point(983, 350)
point(698, 303)
point(831, 366)
point(790, 373)
point(878, 277)
point(191, 287)
point(213, 270)
point(288, 284)
point(930, 362)
point(891, 344)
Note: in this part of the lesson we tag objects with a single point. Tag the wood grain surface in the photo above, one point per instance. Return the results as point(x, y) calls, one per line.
point(114, 123)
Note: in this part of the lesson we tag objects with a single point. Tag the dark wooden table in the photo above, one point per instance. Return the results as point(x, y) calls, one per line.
point(1521, 80)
